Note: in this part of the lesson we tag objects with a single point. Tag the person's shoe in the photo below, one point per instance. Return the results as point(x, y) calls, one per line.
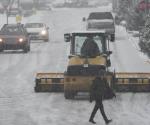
point(108, 121)
point(92, 121)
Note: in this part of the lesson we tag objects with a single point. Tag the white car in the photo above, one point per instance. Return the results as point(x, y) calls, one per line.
point(37, 31)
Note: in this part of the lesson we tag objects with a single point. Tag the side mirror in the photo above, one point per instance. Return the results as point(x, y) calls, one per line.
point(109, 53)
point(108, 63)
point(67, 37)
point(111, 38)
point(83, 19)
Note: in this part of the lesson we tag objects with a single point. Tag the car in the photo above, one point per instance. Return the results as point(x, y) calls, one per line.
point(14, 37)
point(37, 31)
point(101, 21)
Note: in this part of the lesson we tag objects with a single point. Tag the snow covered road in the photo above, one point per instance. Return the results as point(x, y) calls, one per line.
point(19, 105)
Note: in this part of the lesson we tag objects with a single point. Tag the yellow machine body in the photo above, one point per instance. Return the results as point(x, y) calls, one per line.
point(81, 71)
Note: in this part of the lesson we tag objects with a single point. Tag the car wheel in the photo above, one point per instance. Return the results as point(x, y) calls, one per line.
point(1, 49)
point(26, 49)
point(46, 40)
point(113, 38)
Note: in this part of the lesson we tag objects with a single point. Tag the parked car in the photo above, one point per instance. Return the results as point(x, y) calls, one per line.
point(38, 31)
point(14, 37)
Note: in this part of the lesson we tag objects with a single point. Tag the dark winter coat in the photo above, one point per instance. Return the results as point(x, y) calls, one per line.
point(90, 48)
point(100, 90)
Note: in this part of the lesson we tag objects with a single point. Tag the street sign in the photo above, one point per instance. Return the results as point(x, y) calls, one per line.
point(18, 18)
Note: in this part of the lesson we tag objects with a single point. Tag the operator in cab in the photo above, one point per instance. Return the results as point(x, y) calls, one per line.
point(90, 48)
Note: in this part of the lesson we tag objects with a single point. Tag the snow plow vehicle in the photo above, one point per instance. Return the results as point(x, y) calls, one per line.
point(85, 64)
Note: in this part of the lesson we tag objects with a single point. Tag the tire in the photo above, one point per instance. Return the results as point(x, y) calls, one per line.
point(26, 49)
point(36, 89)
point(46, 40)
point(1, 49)
point(69, 95)
point(113, 37)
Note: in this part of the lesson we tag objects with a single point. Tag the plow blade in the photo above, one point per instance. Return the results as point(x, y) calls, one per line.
point(132, 82)
point(49, 82)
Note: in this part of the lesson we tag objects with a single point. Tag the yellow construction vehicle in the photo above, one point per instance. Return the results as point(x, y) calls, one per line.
point(84, 66)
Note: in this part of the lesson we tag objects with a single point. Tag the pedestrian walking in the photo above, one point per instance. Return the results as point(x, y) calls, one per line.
point(97, 92)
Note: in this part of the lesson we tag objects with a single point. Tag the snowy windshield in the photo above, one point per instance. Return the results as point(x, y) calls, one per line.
point(11, 30)
point(80, 40)
point(34, 25)
point(100, 25)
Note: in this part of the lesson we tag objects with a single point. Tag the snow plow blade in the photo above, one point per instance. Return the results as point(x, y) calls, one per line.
point(49, 82)
point(132, 82)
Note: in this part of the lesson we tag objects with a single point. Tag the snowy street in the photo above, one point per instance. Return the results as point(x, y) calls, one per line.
point(20, 105)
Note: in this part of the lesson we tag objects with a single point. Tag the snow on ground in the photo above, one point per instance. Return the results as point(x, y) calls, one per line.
point(126, 55)
point(20, 105)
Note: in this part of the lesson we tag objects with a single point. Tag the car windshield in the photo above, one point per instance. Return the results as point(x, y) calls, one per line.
point(101, 15)
point(80, 42)
point(100, 25)
point(34, 25)
point(11, 30)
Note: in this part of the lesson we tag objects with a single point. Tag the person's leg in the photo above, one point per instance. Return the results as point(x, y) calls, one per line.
point(93, 113)
point(103, 112)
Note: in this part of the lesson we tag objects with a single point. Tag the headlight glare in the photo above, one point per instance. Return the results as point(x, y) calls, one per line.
point(21, 40)
point(43, 32)
point(1, 40)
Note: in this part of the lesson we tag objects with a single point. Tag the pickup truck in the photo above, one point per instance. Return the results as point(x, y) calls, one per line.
point(101, 21)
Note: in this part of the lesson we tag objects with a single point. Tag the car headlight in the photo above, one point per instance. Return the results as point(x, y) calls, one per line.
point(21, 40)
point(1, 40)
point(43, 32)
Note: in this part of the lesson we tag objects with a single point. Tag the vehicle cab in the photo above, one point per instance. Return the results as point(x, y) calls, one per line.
point(78, 61)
